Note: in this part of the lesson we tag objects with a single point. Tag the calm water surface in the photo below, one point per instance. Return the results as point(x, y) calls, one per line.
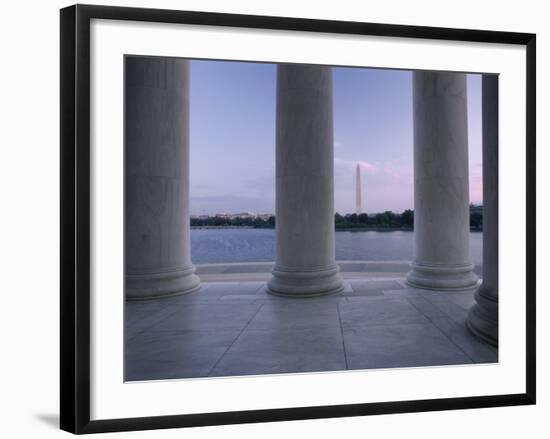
point(258, 245)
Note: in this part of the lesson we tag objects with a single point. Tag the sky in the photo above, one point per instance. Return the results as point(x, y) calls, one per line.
point(232, 137)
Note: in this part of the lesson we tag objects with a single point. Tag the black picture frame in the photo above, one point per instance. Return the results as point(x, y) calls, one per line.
point(75, 217)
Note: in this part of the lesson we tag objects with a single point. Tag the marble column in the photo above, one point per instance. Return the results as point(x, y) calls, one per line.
point(157, 228)
point(483, 316)
point(441, 188)
point(305, 263)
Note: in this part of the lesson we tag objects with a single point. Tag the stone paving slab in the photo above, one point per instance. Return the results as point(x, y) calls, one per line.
point(296, 316)
point(444, 305)
point(212, 316)
point(141, 315)
point(283, 351)
point(388, 312)
point(425, 307)
point(399, 345)
point(177, 354)
point(198, 298)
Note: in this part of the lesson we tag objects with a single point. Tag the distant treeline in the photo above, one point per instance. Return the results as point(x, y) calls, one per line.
point(219, 221)
point(384, 220)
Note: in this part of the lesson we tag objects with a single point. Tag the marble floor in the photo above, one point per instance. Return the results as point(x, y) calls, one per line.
point(231, 328)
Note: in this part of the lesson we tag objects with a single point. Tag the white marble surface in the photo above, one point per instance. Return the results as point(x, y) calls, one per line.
point(157, 235)
point(305, 261)
point(441, 188)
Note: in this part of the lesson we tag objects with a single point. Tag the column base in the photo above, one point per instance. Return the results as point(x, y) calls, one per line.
point(442, 277)
point(155, 285)
point(482, 319)
point(300, 282)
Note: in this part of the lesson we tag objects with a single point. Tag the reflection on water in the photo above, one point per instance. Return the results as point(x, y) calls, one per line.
point(258, 245)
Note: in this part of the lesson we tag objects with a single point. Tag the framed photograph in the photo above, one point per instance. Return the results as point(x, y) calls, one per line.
point(275, 218)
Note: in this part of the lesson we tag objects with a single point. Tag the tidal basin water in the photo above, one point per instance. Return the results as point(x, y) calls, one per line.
point(258, 245)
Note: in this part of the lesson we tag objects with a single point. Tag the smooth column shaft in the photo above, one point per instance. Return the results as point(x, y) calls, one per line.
point(441, 188)
point(305, 261)
point(483, 316)
point(157, 229)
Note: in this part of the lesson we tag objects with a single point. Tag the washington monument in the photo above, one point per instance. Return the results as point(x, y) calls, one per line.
point(358, 208)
